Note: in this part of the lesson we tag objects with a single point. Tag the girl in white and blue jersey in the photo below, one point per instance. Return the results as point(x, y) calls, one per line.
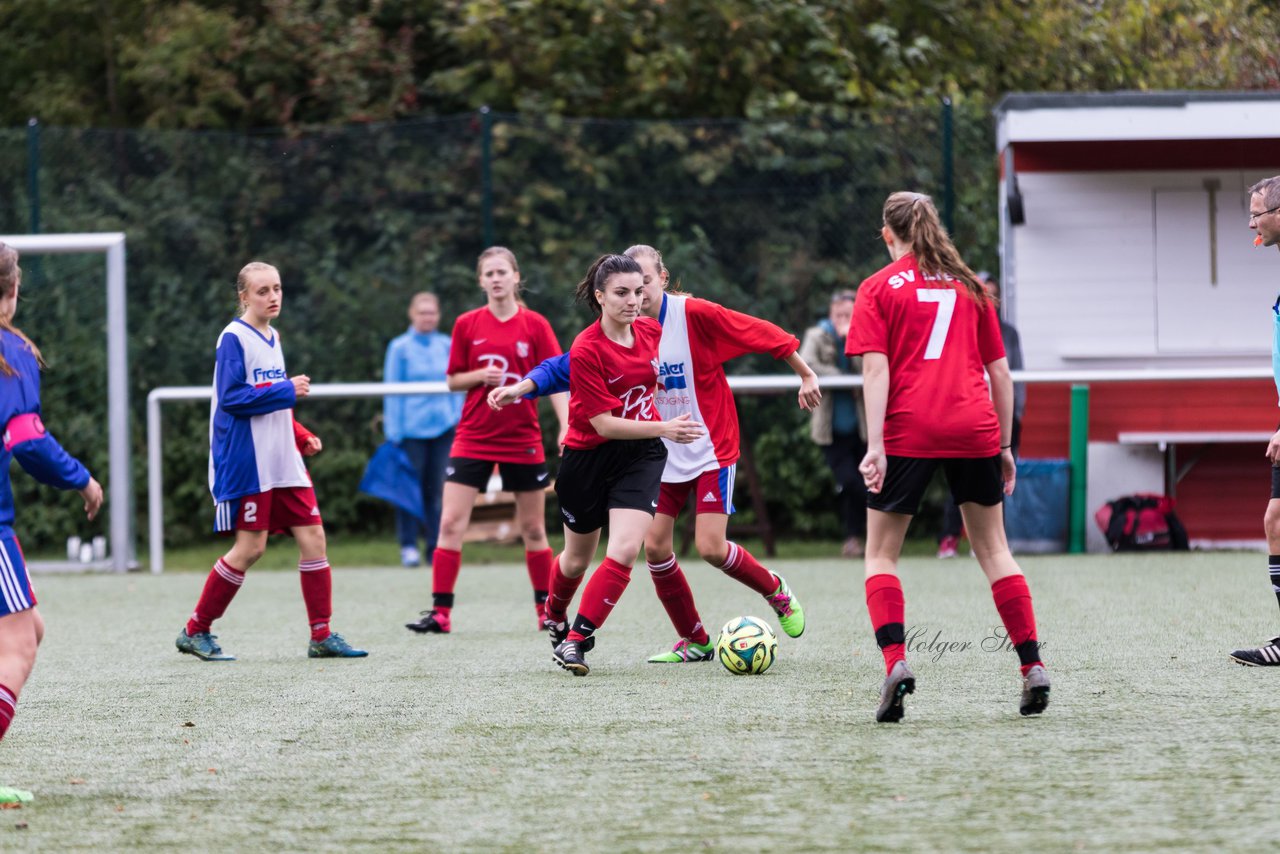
point(259, 483)
point(40, 455)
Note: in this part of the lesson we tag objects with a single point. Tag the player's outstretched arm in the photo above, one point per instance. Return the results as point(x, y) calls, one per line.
point(810, 395)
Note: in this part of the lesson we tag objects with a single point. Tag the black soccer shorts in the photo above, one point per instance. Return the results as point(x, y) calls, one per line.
point(906, 478)
point(516, 477)
point(621, 473)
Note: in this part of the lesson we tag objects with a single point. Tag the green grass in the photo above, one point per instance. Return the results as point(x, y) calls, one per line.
point(475, 741)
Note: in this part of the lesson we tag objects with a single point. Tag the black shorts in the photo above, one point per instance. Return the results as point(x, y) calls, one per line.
point(906, 479)
point(1275, 481)
point(622, 473)
point(516, 477)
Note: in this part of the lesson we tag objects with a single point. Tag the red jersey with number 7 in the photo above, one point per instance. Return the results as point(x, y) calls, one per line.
point(938, 340)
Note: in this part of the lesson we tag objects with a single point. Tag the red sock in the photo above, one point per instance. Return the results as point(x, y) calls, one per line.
point(674, 594)
point(445, 566)
point(539, 566)
point(219, 589)
point(741, 566)
point(317, 593)
point(1013, 601)
point(560, 592)
point(603, 592)
point(8, 700)
point(887, 607)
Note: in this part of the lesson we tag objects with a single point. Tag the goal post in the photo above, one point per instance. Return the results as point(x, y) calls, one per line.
point(119, 475)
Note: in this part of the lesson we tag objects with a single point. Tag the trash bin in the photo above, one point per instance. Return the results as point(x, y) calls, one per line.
point(1036, 515)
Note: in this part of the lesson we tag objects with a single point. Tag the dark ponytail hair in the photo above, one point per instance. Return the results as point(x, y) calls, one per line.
point(598, 277)
point(914, 219)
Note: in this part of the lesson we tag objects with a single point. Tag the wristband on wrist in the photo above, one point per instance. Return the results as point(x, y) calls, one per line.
point(1006, 447)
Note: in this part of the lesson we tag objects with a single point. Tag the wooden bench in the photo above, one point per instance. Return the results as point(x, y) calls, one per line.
point(1167, 443)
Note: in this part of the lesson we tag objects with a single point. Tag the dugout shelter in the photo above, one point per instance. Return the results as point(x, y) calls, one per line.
point(1124, 244)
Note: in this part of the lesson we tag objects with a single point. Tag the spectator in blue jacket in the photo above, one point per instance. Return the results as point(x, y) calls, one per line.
point(421, 424)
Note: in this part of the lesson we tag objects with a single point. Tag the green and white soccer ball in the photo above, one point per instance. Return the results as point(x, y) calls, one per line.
point(746, 645)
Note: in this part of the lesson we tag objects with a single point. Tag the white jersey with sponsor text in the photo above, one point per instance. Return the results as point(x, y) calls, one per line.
point(251, 433)
point(698, 337)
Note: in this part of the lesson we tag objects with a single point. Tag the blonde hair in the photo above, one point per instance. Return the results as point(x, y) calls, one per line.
point(242, 280)
point(643, 250)
point(10, 276)
point(502, 252)
point(914, 220)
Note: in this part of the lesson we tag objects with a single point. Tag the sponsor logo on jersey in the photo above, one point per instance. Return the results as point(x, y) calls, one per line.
point(268, 375)
point(502, 364)
point(671, 376)
point(522, 349)
point(637, 399)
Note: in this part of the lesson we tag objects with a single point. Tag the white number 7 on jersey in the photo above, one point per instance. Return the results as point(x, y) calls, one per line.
point(946, 300)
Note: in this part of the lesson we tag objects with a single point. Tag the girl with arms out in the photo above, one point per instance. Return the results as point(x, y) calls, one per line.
point(614, 454)
point(698, 337)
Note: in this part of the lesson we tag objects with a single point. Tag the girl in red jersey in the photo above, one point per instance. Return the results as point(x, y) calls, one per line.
point(927, 329)
point(698, 337)
point(494, 345)
point(614, 454)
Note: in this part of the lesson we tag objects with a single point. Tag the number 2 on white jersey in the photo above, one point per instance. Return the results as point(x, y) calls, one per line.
point(946, 300)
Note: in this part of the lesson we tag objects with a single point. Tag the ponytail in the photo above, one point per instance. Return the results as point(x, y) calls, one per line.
point(914, 219)
point(597, 278)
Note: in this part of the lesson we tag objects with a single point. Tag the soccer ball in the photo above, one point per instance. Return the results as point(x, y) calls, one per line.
point(746, 645)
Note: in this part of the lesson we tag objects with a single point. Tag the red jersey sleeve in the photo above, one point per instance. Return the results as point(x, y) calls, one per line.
point(868, 333)
point(301, 435)
point(729, 334)
point(460, 347)
point(590, 393)
point(990, 341)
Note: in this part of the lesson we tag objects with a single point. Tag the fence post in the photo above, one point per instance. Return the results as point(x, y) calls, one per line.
point(1079, 468)
point(33, 172)
point(948, 169)
point(486, 172)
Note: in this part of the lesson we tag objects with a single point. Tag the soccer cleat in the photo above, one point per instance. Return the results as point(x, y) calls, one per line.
point(948, 546)
point(787, 607)
point(432, 623)
point(1035, 691)
point(202, 645)
point(685, 650)
point(556, 631)
point(569, 656)
point(1267, 655)
point(410, 556)
point(899, 683)
point(15, 796)
point(334, 646)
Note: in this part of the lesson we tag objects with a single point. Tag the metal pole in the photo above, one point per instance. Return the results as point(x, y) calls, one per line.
point(121, 485)
point(486, 172)
point(155, 486)
point(1079, 468)
point(948, 169)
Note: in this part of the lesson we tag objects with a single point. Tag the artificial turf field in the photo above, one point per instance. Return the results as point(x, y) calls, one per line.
point(475, 741)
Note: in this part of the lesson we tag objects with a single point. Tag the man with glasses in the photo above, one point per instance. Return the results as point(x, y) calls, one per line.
point(1264, 219)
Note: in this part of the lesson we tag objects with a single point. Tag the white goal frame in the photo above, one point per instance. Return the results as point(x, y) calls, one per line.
point(119, 475)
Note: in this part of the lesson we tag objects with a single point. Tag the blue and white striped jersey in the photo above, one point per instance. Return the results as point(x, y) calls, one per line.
point(251, 439)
